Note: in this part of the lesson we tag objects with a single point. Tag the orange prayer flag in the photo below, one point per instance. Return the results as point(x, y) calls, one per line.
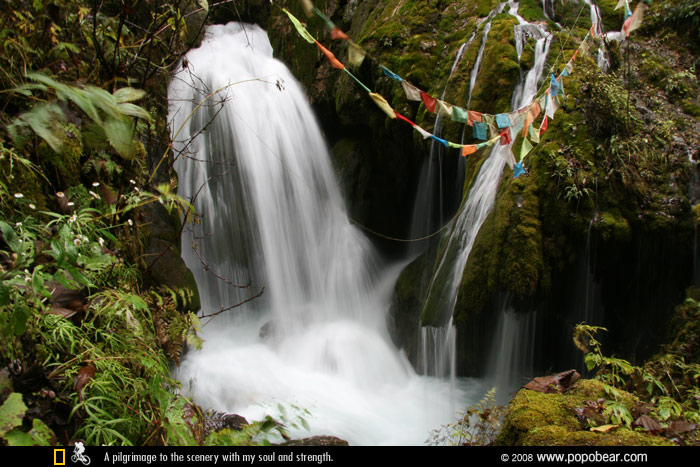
point(331, 58)
point(468, 149)
point(473, 116)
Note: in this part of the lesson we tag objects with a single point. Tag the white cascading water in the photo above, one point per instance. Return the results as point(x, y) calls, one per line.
point(255, 165)
point(444, 287)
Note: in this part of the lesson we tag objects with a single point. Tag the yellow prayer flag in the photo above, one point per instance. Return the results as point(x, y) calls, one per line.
point(383, 104)
point(356, 54)
point(308, 7)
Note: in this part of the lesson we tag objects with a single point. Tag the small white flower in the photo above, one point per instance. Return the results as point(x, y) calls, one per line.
point(70, 203)
point(73, 218)
point(60, 194)
point(132, 181)
point(95, 184)
point(101, 241)
point(18, 224)
point(77, 241)
point(130, 222)
point(94, 195)
point(31, 206)
point(19, 195)
point(122, 197)
point(136, 188)
point(27, 279)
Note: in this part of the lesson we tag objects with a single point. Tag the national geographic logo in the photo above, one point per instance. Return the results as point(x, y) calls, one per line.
point(59, 457)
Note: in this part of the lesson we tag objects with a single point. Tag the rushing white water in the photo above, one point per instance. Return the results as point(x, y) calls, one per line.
point(254, 164)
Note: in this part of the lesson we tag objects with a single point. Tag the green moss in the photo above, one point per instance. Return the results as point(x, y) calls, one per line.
point(611, 226)
point(531, 10)
point(539, 419)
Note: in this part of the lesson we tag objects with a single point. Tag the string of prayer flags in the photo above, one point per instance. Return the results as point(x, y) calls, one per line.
point(634, 22)
point(502, 120)
point(300, 27)
point(429, 101)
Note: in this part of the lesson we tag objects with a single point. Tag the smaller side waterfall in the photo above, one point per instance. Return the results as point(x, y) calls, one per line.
point(513, 348)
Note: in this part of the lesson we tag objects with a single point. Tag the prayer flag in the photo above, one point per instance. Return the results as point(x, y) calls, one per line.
point(401, 117)
point(454, 145)
point(423, 133)
point(468, 149)
point(440, 140)
point(331, 58)
point(329, 24)
point(479, 130)
point(525, 149)
point(620, 4)
point(308, 7)
point(460, 115)
point(429, 101)
point(443, 108)
point(300, 27)
point(390, 73)
point(544, 125)
point(532, 114)
point(518, 169)
point(356, 54)
point(534, 134)
point(412, 92)
point(506, 137)
point(517, 121)
point(634, 22)
point(382, 104)
point(473, 116)
point(337, 34)
point(502, 120)
point(553, 86)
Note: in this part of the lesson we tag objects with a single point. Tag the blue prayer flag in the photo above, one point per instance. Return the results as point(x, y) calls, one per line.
point(391, 74)
point(480, 130)
point(502, 120)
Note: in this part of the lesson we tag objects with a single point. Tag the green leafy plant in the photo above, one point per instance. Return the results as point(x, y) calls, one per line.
point(477, 425)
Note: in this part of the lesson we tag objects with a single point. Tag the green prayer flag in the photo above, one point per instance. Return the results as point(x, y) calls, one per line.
point(300, 28)
point(454, 145)
point(525, 149)
point(459, 114)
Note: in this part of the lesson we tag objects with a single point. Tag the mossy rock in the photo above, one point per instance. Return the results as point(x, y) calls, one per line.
point(539, 419)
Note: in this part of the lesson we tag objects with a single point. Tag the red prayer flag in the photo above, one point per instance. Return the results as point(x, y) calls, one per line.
point(505, 137)
point(338, 34)
point(544, 125)
point(331, 58)
point(429, 101)
point(401, 117)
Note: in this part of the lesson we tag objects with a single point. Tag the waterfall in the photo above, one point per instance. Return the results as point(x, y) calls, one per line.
point(252, 161)
point(438, 344)
point(442, 293)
